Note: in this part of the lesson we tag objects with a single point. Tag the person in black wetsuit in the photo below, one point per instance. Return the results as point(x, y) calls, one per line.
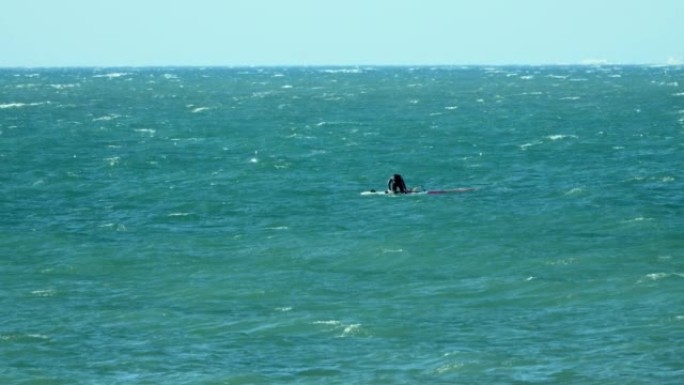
point(396, 185)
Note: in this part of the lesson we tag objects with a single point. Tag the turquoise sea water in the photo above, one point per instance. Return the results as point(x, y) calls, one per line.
point(205, 226)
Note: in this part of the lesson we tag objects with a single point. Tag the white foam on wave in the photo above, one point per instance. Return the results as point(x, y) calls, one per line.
point(33, 336)
point(562, 262)
point(20, 105)
point(106, 118)
point(179, 214)
point(552, 138)
point(575, 191)
point(342, 71)
point(113, 161)
point(561, 136)
point(640, 219)
point(111, 75)
point(65, 86)
point(278, 228)
point(44, 293)
point(659, 276)
point(115, 226)
point(392, 251)
point(530, 144)
point(346, 330)
point(200, 109)
point(146, 131)
point(450, 367)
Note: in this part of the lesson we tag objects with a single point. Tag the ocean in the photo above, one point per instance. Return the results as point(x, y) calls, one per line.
point(205, 225)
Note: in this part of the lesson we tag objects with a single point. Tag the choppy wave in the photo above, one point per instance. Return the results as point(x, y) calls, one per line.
point(21, 105)
point(209, 220)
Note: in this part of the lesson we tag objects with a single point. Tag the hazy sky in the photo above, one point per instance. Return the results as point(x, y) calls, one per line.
point(338, 32)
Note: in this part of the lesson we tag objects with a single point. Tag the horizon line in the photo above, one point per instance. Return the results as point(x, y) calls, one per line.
point(423, 65)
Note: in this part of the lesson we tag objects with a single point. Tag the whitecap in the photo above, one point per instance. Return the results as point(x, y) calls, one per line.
point(44, 293)
point(659, 276)
point(65, 86)
point(199, 109)
point(343, 71)
point(392, 250)
point(530, 144)
point(19, 105)
point(106, 117)
point(449, 367)
point(315, 153)
point(570, 98)
point(640, 219)
point(351, 329)
point(330, 322)
point(179, 214)
point(8, 337)
point(147, 131)
point(451, 108)
point(656, 276)
point(112, 75)
point(575, 190)
point(38, 336)
point(562, 262)
point(11, 105)
point(113, 161)
point(346, 330)
point(560, 136)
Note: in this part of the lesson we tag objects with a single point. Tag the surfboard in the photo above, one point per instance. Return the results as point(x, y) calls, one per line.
point(422, 192)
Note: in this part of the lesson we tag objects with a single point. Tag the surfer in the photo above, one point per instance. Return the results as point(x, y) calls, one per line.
point(396, 185)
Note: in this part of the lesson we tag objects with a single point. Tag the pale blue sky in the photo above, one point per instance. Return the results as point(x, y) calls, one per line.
point(338, 32)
